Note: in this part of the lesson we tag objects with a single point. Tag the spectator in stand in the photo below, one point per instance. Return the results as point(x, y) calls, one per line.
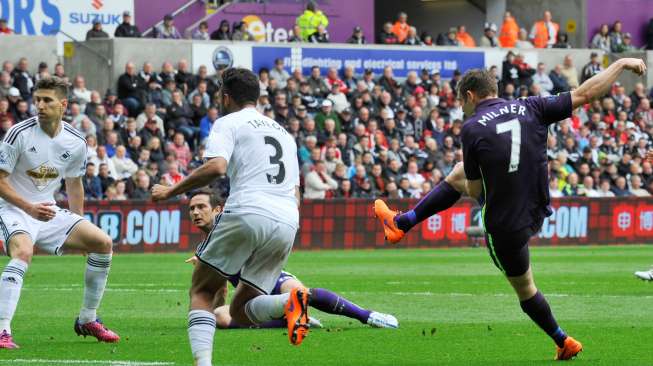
point(544, 32)
point(126, 29)
point(449, 39)
point(601, 39)
point(415, 179)
point(569, 72)
point(295, 35)
point(620, 189)
point(4, 29)
point(5, 84)
point(554, 187)
point(413, 40)
point(179, 116)
point(616, 36)
point(509, 31)
point(222, 33)
point(592, 68)
point(172, 175)
point(489, 38)
point(124, 166)
point(96, 31)
point(167, 29)
point(319, 184)
point(522, 40)
point(279, 74)
point(464, 39)
point(401, 27)
point(325, 113)
point(129, 91)
point(626, 44)
point(92, 184)
point(240, 32)
point(23, 80)
point(311, 19)
point(80, 93)
point(559, 80)
point(357, 36)
point(543, 80)
point(636, 187)
point(181, 150)
point(387, 36)
point(604, 189)
point(202, 32)
point(562, 41)
point(320, 36)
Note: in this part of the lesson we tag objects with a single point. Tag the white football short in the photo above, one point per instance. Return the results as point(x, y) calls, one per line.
point(48, 236)
point(254, 245)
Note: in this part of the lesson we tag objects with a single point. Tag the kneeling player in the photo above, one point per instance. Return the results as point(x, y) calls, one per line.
point(203, 209)
point(35, 156)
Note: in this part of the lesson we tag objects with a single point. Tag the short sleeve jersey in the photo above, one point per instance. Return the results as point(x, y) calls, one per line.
point(504, 144)
point(262, 165)
point(37, 163)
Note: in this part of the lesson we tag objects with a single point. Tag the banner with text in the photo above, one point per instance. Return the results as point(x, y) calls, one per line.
point(348, 224)
point(401, 61)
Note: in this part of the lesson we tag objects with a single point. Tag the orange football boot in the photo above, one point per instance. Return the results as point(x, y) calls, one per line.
point(570, 350)
point(296, 311)
point(387, 217)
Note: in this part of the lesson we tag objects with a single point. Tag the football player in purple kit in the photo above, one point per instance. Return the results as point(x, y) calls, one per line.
point(505, 167)
point(204, 207)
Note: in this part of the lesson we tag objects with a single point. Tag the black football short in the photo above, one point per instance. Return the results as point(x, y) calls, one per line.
point(509, 251)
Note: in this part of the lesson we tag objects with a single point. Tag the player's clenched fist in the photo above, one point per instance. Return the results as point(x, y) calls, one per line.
point(41, 211)
point(636, 65)
point(160, 193)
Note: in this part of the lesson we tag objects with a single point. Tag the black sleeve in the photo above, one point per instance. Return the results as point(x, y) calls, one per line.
point(470, 161)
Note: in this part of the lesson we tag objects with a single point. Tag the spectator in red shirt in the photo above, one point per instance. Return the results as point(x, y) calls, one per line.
point(181, 149)
point(4, 29)
point(173, 175)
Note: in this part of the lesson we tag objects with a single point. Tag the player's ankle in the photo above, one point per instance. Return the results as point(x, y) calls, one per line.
point(203, 358)
point(87, 315)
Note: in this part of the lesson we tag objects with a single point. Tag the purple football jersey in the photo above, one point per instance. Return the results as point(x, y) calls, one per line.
point(504, 144)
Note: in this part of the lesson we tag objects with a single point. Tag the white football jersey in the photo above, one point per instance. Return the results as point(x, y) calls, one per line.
point(37, 163)
point(263, 169)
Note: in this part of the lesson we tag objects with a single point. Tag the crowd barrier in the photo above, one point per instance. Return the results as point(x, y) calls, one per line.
point(146, 227)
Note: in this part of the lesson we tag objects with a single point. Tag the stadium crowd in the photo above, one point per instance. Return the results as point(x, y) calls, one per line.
point(358, 136)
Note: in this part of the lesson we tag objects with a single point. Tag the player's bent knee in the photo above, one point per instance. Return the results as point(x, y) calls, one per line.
point(239, 316)
point(222, 317)
point(21, 247)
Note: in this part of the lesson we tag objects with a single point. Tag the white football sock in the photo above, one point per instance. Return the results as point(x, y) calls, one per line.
point(95, 280)
point(201, 328)
point(266, 307)
point(11, 282)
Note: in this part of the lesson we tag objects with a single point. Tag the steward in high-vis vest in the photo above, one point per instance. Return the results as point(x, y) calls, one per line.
point(310, 19)
point(544, 32)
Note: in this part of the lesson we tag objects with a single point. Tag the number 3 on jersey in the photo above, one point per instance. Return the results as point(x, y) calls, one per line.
point(515, 132)
point(276, 160)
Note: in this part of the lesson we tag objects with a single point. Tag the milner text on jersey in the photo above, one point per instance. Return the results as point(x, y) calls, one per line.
point(509, 109)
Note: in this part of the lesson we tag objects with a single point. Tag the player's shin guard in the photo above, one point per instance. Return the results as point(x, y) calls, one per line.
point(11, 282)
point(438, 199)
point(95, 280)
point(539, 311)
point(332, 303)
point(266, 307)
point(201, 329)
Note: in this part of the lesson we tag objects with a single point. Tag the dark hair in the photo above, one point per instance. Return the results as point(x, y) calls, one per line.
point(214, 199)
point(241, 85)
point(478, 81)
point(53, 83)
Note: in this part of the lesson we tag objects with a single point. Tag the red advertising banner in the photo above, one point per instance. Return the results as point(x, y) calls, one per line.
point(349, 224)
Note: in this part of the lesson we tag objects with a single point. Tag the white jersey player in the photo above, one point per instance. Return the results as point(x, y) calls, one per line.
point(35, 155)
point(255, 233)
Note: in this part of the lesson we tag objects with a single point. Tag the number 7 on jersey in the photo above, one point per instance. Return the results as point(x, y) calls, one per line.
point(514, 128)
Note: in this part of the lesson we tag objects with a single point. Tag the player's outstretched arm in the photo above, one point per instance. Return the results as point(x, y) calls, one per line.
point(200, 177)
point(39, 211)
point(599, 84)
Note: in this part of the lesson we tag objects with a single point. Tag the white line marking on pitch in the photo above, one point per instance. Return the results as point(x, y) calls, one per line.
point(86, 362)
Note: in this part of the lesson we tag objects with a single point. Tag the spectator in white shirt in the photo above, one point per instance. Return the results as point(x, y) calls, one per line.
point(554, 189)
point(588, 183)
point(543, 80)
point(80, 93)
point(338, 98)
point(124, 166)
point(103, 158)
point(604, 189)
point(415, 179)
point(318, 183)
point(636, 186)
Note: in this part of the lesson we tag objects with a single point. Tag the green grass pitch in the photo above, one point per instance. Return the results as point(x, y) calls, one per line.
point(453, 305)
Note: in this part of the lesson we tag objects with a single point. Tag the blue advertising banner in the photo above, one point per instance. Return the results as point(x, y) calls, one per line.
point(401, 61)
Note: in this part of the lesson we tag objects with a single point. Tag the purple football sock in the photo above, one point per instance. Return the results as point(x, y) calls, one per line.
point(331, 303)
point(539, 311)
point(439, 199)
point(275, 323)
